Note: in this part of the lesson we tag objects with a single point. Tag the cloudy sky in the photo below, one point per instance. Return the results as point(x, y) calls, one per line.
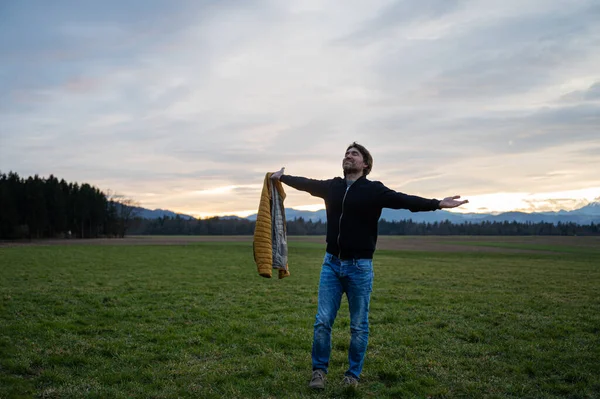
point(185, 105)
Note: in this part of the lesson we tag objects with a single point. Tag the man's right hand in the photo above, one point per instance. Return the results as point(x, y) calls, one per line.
point(278, 174)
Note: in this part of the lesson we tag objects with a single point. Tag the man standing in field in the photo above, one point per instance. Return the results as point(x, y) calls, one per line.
point(353, 206)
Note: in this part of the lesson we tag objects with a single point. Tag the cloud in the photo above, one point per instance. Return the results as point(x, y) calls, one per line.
point(397, 15)
point(590, 94)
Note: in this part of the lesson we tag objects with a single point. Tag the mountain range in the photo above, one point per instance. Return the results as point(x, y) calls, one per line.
point(158, 213)
point(585, 215)
point(588, 214)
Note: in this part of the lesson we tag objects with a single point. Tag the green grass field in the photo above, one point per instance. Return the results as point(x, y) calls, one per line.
point(151, 321)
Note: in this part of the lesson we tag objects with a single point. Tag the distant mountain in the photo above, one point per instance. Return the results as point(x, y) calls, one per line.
point(592, 209)
point(158, 213)
point(590, 213)
point(585, 215)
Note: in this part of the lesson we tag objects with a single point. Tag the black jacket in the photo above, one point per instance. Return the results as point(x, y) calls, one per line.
point(353, 215)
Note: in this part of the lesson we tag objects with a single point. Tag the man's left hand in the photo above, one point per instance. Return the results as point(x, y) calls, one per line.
point(452, 202)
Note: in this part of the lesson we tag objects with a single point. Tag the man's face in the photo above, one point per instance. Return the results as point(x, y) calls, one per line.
point(353, 161)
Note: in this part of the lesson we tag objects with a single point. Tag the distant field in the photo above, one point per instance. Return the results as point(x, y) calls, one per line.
point(166, 317)
point(409, 243)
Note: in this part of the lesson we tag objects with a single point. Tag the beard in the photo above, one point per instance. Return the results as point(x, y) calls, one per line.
point(351, 167)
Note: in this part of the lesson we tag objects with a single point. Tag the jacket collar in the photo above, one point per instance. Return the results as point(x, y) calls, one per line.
point(360, 179)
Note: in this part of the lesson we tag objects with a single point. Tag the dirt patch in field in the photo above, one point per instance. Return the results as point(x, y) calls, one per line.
point(437, 244)
point(442, 244)
point(136, 240)
point(398, 243)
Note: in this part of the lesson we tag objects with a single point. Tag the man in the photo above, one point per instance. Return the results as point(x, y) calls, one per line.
point(353, 205)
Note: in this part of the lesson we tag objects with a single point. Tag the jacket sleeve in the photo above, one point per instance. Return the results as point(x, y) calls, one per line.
point(317, 188)
point(389, 198)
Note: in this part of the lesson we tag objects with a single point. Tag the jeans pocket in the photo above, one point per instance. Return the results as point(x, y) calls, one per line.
point(364, 265)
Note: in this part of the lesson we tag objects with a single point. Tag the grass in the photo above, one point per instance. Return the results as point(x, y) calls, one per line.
point(197, 321)
point(582, 249)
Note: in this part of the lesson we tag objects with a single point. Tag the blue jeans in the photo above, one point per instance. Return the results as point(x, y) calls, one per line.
point(355, 278)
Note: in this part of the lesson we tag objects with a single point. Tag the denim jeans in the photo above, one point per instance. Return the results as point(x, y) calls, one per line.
point(355, 278)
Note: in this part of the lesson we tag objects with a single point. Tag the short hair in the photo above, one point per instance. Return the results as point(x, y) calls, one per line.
point(366, 157)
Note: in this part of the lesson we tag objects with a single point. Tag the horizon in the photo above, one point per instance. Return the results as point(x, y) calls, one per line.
point(544, 204)
point(511, 202)
point(186, 105)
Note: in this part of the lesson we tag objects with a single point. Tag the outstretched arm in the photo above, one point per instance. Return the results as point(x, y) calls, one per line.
point(395, 200)
point(317, 188)
point(452, 202)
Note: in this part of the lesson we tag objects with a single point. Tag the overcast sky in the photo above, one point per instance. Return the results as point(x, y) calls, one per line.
point(185, 105)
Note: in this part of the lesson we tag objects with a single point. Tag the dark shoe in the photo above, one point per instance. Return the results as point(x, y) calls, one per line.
point(318, 380)
point(350, 381)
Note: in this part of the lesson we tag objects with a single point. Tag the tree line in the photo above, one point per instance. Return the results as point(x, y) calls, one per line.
point(50, 208)
point(234, 226)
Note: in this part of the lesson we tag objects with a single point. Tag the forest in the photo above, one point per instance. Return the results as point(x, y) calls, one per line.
point(35, 208)
point(299, 226)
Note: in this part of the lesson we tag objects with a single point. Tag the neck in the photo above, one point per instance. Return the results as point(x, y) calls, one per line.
point(353, 176)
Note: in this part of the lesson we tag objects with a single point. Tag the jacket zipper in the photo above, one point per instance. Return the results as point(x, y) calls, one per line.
point(340, 223)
